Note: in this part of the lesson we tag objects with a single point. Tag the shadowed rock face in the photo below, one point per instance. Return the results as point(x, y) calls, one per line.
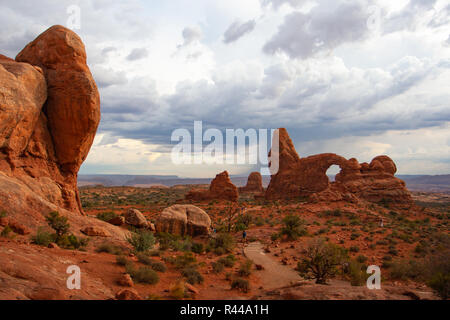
point(254, 183)
point(221, 188)
point(306, 177)
point(49, 114)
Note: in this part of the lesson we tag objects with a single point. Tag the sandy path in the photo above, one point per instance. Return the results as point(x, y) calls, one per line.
point(274, 275)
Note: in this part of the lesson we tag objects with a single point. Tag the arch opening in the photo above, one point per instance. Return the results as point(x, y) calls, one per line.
point(332, 172)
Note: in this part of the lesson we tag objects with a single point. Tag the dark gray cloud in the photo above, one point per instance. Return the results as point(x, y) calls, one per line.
point(328, 25)
point(191, 35)
point(278, 3)
point(237, 30)
point(137, 54)
point(312, 101)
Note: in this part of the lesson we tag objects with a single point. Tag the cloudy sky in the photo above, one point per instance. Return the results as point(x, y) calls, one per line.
point(358, 78)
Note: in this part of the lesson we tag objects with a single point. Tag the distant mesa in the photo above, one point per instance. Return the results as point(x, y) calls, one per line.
point(306, 178)
point(254, 184)
point(221, 188)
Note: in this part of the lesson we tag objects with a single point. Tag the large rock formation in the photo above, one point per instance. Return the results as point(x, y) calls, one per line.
point(254, 183)
point(49, 114)
point(221, 188)
point(183, 220)
point(299, 178)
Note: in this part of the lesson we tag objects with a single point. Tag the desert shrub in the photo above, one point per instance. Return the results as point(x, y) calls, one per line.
point(198, 247)
point(42, 238)
point(361, 258)
point(192, 275)
point(403, 269)
point(245, 268)
point(142, 275)
point(221, 244)
point(109, 248)
point(332, 213)
point(106, 216)
point(393, 251)
point(354, 249)
point(141, 240)
point(321, 261)
point(440, 283)
point(218, 267)
point(354, 236)
point(178, 290)
point(145, 259)
point(274, 236)
point(122, 261)
point(243, 222)
point(169, 241)
point(58, 223)
point(3, 214)
point(159, 266)
point(228, 261)
point(259, 221)
point(6, 232)
point(293, 227)
point(437, 273)
point(357, 273)
point(154, 253)
point(184, 260)
point(240, 284)
point(72, 242)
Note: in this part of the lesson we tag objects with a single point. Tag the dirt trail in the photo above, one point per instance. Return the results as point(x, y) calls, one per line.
point(274, 275)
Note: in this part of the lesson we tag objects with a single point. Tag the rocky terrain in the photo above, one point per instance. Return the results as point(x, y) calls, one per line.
point(185, 242)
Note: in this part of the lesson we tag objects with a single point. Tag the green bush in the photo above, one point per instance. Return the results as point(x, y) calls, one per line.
point(293, 227)
point(240, 284)
point(106, 216)
point(145, 259)
point(178, 290)
point(184, 260)
point(321, 261)
point(245, 269)
point(403, 270)
point(357, 273)
point(109, 248)
point(72, 242)
point(58, 223)
point(198, 247)
point(274, 236)
point(159, 266)
point(141, 240)
point(122, 261)
point(42, 238)
point(228, 261)
point(6, 232)
point(361, 258)
point(192, 275)
point(440, 282)
point(218, 267)
point(222, 243)
point(142, 275)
